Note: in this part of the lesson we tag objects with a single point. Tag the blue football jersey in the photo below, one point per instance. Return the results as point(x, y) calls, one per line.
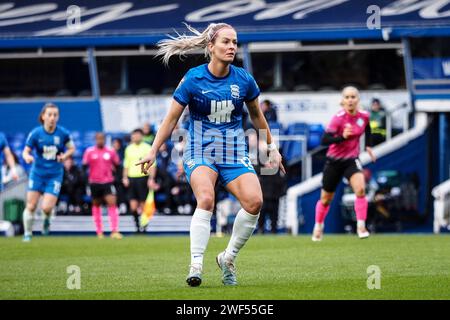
point(46, 147)
point(216, 107)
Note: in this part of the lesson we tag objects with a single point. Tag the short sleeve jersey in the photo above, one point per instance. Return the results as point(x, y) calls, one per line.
point(101, 162)
point(46, 147)
point(215, 107)
point(348, 148)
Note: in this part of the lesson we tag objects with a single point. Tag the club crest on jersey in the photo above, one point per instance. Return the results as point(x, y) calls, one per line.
point(360, 122)
point(56, 140)
point(234, 91)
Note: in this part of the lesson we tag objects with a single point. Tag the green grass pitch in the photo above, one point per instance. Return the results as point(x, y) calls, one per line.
point(269, 267)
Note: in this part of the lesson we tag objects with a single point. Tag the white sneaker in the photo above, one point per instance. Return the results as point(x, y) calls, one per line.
point(363, 233)
point(317, 234)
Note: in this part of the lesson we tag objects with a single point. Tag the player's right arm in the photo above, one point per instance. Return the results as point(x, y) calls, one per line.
point(164, 132)
point(29, 144)
point(331, 137)
point(26, 155)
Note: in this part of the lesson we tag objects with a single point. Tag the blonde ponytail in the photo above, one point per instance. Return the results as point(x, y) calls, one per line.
point(182, 44)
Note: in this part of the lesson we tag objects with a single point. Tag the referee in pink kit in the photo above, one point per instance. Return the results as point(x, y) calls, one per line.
point(102, 161)
point(343, 135)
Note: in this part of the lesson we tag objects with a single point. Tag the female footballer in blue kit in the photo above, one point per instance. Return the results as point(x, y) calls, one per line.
point(52, 144)
point(216, 148)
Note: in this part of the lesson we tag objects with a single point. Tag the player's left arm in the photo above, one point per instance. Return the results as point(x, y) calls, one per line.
point(260, 123)
point(70, 150)
point(369, 143)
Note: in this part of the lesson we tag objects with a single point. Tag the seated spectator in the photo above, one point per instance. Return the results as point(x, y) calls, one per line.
point(73, 188)
point(377, 122)
point(149, 134)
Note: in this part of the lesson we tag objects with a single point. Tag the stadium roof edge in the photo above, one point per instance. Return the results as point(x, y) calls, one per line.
point(244, 37)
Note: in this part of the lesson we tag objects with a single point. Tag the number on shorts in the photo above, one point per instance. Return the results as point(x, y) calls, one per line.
point(358, 164)
point(56, 186)
point(247, 163)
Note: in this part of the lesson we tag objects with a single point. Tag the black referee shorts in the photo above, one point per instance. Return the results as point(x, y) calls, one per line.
point(335, 169)
point(100, 190)
point(138, 189)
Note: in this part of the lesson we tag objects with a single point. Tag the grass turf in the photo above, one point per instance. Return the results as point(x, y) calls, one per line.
point(269, 267)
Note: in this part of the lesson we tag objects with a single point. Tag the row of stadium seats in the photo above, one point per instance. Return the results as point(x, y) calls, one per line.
point(291, 149)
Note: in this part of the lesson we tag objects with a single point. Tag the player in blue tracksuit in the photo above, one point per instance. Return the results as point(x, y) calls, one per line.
point(4, 149)
point(52, 145)
point(216, 148)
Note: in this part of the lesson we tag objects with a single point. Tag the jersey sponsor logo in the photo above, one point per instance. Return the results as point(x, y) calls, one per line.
point(234, 91)
point(49, 152)
point(206, 91)
point(221, 111)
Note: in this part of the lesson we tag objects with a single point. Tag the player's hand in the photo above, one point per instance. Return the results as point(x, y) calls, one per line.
point(28, 158)
point(147, 162)
point(371, 154)
point(14, 174)
point(125, 182)
point(347, 131)
point(153, 185)
point(60, 157)
point(275, 160)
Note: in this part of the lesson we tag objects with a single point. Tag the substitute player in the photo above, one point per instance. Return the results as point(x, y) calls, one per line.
point(102, 162)
point(343, 135)
point(215, 93)
point(51, 144)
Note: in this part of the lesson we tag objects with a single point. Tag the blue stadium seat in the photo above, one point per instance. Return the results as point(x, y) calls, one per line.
point(297, 128)
point(315, 135)
point(293, 149)
point(275, 125)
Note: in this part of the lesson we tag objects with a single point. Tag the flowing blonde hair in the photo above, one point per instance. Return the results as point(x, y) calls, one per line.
point(182, 44)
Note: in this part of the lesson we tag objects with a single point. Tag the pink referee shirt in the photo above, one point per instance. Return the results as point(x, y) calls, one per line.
point(101, 164)
point(349, 148)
